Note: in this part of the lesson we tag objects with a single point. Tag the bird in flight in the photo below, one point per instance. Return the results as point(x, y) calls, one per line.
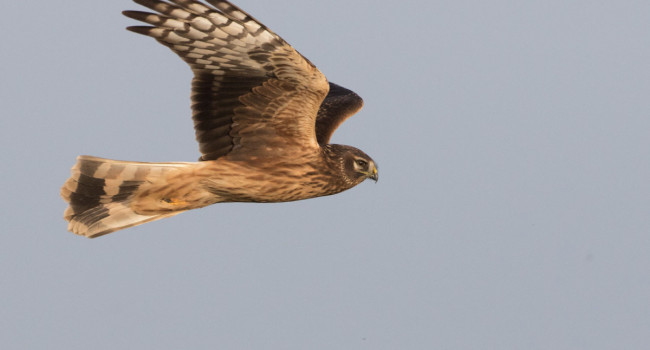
point(263, 116)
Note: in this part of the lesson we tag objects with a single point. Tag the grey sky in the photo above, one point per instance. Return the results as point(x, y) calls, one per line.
point(512, 210)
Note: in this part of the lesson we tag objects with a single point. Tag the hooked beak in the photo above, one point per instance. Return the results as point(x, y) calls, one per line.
point(373, 174)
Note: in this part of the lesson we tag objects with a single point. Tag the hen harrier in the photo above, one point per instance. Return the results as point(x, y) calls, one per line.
point(263, 116)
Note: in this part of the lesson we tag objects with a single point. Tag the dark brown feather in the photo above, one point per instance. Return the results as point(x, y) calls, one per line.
point(214, 100)
point(339, 105)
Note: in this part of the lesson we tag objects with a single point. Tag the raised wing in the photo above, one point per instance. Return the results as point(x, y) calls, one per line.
point(339, 105)
point(253, 95)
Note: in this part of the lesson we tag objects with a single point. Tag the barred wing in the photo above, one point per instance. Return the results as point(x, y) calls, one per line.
point(253, 95)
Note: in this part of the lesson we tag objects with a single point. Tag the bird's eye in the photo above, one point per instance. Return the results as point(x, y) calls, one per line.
point(362, 163)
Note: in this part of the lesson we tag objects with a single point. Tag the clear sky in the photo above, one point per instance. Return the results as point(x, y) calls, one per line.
point(512, 210)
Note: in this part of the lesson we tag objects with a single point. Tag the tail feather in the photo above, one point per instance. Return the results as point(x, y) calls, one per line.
point(99, 192)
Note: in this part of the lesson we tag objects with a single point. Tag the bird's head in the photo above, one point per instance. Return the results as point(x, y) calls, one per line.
point(363, 167)
point(356, 165)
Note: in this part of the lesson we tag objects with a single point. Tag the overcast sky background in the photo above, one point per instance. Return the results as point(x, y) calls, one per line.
point(512, 210)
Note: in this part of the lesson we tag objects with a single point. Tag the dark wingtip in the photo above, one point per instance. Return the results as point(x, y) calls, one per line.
point(144, 30)
point(135, 14)
point(138, 16)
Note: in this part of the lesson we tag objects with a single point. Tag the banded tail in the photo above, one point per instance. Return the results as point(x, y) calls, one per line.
point(100, 192)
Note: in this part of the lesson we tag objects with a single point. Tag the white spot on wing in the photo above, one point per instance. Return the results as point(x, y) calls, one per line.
point(202, 24)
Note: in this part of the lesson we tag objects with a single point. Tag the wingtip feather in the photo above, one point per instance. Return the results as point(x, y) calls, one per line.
point(144, 30)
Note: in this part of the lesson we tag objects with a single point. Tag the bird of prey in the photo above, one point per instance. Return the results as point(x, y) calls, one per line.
point(263, 116)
